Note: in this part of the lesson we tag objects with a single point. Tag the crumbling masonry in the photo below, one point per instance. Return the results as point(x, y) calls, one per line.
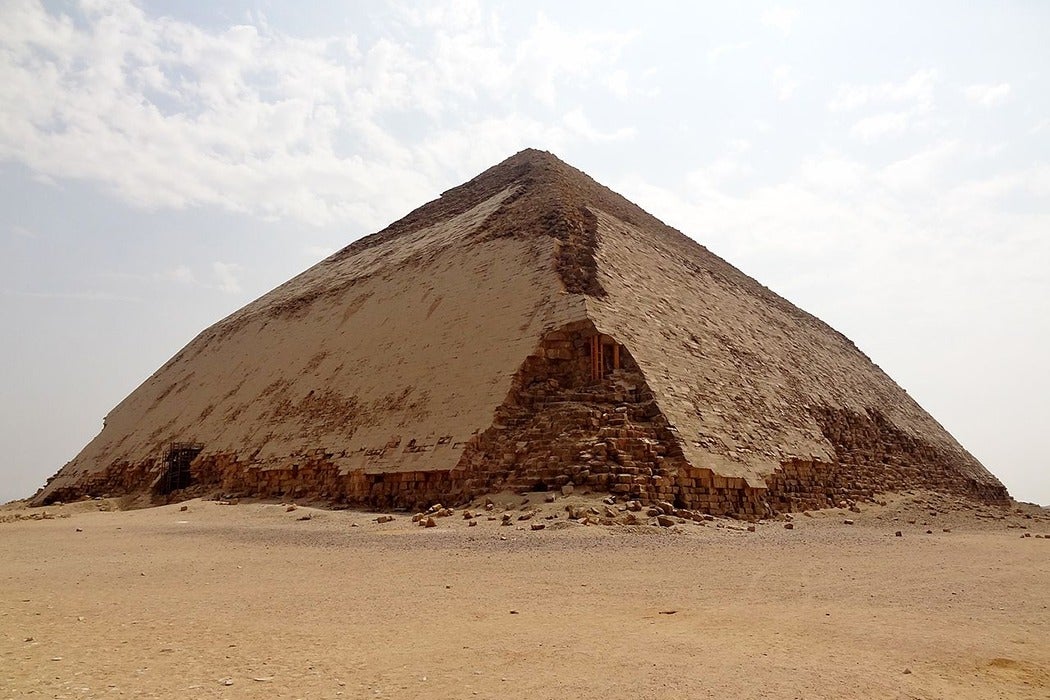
point(527, 330)
point(580, 413)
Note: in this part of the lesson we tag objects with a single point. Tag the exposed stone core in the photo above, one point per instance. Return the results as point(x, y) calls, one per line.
point(529, 329)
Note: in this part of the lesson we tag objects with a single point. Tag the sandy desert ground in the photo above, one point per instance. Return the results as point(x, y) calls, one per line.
point(258, 600)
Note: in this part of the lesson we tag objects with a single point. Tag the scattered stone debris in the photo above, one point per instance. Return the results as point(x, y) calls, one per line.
point(385, 519)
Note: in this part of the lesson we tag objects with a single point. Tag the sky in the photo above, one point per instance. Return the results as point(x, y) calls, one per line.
point(883, 165)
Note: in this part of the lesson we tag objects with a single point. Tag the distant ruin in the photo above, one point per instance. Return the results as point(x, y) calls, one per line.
point(527, 330)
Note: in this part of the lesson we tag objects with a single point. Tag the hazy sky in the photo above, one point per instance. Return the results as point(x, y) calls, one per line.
point(885, 166)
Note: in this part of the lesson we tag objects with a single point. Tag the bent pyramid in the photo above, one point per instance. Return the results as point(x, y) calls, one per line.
point(528, 329)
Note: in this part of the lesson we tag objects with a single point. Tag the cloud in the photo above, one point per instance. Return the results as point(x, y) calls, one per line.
point(716, 53)
point(987, 95)
point(879, 125)
point(23, 232)
point(903, 106)
point(785, 83)
point(618, 83)
point(917, 90)
point(226, 274)
point(780, 18)
point(335, 129)
point(181, 274)
point(579, 124)
point(922, 171)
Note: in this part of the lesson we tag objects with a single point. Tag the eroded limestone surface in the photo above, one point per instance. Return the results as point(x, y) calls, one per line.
point(529, 329)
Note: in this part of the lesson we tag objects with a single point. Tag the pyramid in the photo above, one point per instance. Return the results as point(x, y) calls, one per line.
point(529, 329)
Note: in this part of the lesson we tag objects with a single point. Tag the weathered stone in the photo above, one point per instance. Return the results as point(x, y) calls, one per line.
point(578, 408)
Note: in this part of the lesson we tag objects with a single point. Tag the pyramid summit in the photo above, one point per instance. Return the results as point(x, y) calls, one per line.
point(528, 329)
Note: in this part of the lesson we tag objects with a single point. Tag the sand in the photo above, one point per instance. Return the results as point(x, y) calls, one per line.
point(254, 600)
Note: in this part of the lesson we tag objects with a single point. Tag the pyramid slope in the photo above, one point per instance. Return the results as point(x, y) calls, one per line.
point(399, 369)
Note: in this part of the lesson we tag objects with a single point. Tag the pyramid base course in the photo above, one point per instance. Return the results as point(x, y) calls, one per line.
point(559, 425)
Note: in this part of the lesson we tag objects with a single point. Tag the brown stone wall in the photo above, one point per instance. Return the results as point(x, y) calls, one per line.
point(874, 456)
point(558, 426)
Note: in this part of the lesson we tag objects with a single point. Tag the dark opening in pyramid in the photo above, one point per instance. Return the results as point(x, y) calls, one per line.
point(528, 329)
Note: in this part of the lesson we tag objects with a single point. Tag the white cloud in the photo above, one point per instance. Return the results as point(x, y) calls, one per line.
point(879, 125)
point(166, 114)
point(579, 124)
point(920, 172)
point(181, 274)
point(987, 95)
point(785, 82)
point(739, 145)
point(780, 18)
point(717, 173)
point(551, 54)
point(618, 83)
point(917, 90)
point(903, 107)
point(226, 275)
point(715, 53)
point(23, 232)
